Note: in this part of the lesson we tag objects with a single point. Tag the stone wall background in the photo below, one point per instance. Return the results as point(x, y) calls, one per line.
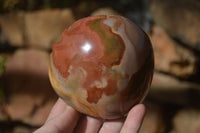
point(28, 30)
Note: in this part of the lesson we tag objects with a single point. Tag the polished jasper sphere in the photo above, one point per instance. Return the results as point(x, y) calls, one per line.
point(102, 66)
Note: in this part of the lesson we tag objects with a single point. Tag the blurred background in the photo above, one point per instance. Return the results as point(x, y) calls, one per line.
point(28, 29)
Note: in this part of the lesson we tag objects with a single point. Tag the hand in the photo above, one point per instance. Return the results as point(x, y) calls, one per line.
point(64, 119)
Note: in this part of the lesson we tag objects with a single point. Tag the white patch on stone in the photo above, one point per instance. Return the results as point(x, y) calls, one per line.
point(110, 22)
point(100, 84)
point(70, 69)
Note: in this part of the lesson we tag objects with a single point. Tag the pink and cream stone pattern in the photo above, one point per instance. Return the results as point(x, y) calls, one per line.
point(103, 66)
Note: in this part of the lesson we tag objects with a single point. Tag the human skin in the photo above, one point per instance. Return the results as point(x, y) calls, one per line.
point(64, 119)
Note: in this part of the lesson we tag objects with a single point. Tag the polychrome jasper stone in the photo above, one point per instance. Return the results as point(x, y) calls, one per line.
point(103, 66)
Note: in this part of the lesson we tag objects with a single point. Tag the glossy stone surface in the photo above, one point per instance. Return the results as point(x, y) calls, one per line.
point(103, 66)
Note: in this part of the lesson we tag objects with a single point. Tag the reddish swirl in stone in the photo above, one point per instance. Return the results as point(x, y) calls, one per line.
point(103, 66)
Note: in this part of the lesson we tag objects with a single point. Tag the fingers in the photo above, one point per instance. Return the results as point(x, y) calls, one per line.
point(88, 124)
point(112, 126)
point(57, 109)
point(66, 121)
point(134, 119)
point(64, 118)
point(61, 119)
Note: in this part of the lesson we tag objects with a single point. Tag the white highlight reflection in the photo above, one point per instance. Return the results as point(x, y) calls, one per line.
point(86, 47)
